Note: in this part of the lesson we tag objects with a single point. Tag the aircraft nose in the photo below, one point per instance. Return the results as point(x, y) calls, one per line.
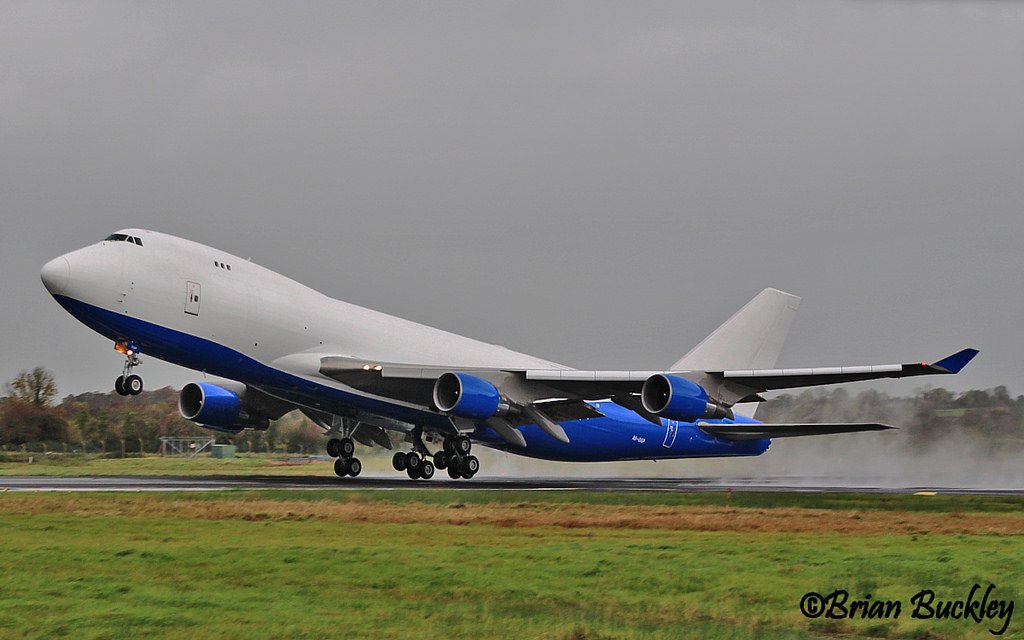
point(55, 275)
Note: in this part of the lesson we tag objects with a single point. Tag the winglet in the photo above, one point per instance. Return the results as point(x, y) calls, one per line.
point(955, 362)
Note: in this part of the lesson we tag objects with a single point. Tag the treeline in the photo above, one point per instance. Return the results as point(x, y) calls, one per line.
point(31, 418)
point(990, 419)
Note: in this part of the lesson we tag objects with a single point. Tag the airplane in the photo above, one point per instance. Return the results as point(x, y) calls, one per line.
point(274, 346)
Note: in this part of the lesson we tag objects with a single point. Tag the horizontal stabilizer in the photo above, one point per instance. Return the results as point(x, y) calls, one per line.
point(759, 431)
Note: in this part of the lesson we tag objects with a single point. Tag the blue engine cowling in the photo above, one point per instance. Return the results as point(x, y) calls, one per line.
point(466, 396)
point(217, 408)
point(677, 398)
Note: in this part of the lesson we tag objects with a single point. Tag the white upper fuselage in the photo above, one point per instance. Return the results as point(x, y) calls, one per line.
point(251, 309)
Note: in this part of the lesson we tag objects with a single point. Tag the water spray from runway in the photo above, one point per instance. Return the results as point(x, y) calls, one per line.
point(964, 451)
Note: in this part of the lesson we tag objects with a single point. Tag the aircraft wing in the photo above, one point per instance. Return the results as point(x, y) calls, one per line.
point(771, 379)
point(792, 430)
point(413, 383)
point(739, 385)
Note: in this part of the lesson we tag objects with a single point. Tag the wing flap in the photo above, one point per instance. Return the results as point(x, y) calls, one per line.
point(791, 430)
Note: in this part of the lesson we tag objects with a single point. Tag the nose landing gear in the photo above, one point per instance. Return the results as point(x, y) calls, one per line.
point(128, 384)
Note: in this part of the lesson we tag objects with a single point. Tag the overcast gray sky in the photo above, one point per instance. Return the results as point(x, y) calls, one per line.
point(597, 183)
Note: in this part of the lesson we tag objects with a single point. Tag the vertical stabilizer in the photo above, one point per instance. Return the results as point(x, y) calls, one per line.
point(751, 339)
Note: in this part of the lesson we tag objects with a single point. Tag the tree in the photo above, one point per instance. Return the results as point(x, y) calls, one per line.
point(22, 422)
point(36, 387)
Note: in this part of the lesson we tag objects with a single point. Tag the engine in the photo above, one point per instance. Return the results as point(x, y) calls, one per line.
point(218, 408)
point(677, 398)
point(468, 396)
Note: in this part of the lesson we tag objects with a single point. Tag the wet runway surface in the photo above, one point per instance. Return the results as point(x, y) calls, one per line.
point(395, 481)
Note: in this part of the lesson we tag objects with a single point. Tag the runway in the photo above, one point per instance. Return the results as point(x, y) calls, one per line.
point(393, 482)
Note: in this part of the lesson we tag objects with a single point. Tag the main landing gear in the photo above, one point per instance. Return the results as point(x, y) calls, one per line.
point(346, 464)
point(128, 384)
point(454, 458)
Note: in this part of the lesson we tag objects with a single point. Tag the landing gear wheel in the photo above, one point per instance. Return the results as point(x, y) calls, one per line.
point(449, 446)
point(133, 385)
point(341, 467)
point(119, 386)
point(354, 467)
point(470, 466)
point(462, 445)
point(412, 460)
point(334, 448)
point(427, 470)
point(453, 471)
point(346, 447)
point(398, 461)
point(414, 472)
point(440, 460)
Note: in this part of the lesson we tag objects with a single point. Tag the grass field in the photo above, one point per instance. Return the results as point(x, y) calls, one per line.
point(203, 464)
point(478, 564)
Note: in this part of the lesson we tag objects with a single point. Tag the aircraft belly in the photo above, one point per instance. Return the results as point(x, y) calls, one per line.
point(615, 438)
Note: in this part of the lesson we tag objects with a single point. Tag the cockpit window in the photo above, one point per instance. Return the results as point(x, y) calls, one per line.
point(120, 237)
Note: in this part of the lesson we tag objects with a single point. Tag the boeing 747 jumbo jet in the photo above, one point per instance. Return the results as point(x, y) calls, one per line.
point(276, 346)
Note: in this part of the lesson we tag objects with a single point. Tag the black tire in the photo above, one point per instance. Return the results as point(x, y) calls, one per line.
point(470, 467)
point(119, 386)
point(427, 470)
point(455, 467)
point(463, 445)
point(414, 472)
point(333, 447)
point(354, 467)
point(441, 460)
point(449, 446)
point(341, 467)
point(133, 385)
point(346, 447)
point(412, 460)
point(398, 461)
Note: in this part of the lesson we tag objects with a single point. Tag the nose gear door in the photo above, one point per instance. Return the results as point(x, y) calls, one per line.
point(192, 295)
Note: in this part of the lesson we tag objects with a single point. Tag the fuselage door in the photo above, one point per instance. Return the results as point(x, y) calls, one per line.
point(192, 295)
point(672, 429)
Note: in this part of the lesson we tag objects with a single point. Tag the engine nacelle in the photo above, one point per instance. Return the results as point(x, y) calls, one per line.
point(467, 396)
point(677, 398)
point(217, 408)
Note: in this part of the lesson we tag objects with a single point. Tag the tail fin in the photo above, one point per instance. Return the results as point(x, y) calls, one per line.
point(751, 339)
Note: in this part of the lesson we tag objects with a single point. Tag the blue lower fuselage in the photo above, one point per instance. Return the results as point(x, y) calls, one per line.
point(620, 434)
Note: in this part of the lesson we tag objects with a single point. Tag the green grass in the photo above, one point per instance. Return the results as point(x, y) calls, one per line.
point(202, 464)
point(67, 573)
